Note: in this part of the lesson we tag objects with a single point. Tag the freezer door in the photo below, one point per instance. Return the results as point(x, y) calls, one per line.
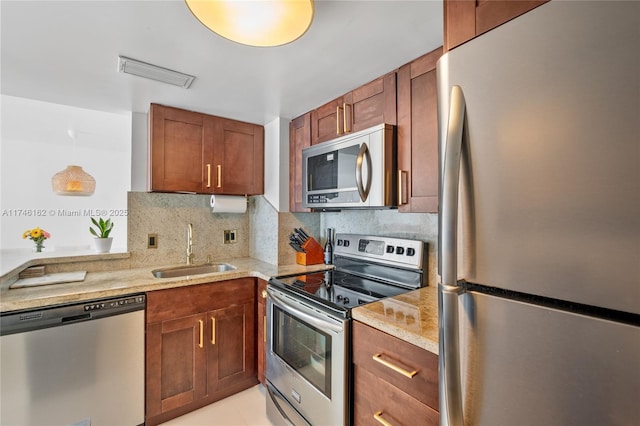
point(529, 365)
point(550, 178)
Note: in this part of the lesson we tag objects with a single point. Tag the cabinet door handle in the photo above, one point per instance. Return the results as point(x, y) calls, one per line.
point(338, 119)
point(201, 344)
point(219, 169)
point(264, 335)
point(406, 373)
point(213, 330)
point(344, 117)
point(264, 294)
point(208, 175)
point(402, 184)
point(378, 417)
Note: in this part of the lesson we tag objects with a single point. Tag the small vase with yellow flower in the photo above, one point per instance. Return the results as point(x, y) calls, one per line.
point(37, 235)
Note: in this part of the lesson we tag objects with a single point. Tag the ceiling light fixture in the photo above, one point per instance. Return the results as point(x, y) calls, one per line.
point(154, 72)
point(261, 23)
point(73, 180)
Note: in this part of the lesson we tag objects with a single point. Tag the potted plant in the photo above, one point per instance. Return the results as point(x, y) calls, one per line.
point(101, 232)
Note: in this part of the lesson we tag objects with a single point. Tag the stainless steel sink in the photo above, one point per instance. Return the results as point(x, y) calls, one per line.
point(186, 270)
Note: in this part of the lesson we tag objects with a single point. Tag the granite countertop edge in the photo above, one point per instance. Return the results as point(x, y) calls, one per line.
point(99, 285)
point(411, 317)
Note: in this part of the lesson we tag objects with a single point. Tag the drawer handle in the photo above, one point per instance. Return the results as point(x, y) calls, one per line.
point(213, 330)
point(201, 344)
point(406, 373)
point(378, 417)
point(219, 169)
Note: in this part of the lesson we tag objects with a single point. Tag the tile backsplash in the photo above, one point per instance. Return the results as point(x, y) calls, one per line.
point(262, 232)
point(168, 215)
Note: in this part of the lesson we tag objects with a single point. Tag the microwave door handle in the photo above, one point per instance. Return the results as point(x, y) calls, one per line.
point(364, 153)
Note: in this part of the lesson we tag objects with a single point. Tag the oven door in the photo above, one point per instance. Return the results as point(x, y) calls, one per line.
point(307, 360)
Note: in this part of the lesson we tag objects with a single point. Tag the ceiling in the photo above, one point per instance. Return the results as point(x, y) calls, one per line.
point(66, 52)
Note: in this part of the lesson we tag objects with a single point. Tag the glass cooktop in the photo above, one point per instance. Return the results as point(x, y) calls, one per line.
point(337, 289)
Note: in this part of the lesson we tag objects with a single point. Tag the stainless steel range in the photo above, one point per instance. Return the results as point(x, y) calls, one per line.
point(309, 331)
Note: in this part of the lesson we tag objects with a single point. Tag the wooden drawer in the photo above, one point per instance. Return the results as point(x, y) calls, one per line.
point(183, 301)
point(375, 397)
point(378, 353)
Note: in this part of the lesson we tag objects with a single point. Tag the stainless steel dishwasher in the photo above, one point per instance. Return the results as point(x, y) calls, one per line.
point(80, 364)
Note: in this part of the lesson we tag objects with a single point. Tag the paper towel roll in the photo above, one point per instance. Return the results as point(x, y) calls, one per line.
point(228, 204)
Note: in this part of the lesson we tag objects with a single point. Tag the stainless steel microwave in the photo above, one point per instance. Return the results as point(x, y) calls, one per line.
point(357, 170)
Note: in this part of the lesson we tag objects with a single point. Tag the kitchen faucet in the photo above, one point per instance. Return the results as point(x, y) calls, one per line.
point(190, 254)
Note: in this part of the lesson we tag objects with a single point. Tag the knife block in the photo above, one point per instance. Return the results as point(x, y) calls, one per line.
point(313, 255)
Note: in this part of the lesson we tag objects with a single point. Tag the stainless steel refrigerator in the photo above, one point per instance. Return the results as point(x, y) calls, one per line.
point(539, 259)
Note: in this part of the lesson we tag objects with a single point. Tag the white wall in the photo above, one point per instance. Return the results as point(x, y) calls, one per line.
point(276, 164)
point(139, 152)
point(35, 145)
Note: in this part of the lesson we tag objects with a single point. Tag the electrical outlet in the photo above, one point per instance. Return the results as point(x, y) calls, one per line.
point(230, 236)
point(152, 241)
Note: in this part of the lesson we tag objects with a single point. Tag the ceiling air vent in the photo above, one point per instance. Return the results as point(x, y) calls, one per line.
point(154, 72)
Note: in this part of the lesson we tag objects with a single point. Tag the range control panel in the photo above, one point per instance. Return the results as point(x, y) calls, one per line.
point(405, 252)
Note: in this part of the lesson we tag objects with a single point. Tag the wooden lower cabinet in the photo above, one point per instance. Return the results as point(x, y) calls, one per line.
point(261, 297)
point(382, 393)
point(200, 346)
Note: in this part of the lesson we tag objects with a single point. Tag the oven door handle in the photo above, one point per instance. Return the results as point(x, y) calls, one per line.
point(311, 319)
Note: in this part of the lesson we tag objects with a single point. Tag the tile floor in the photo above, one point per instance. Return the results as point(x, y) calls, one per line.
point(246, 408)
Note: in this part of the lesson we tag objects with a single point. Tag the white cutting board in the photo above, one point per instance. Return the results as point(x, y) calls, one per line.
point(62, 277)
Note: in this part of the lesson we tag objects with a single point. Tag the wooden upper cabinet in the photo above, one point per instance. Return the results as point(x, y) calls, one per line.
point(299, 138)
point(418, 135)
point(195, 152)
point(234, 162)
point(368, 105)
point(327, 121)
point(466, 19)
point(371, 104)
point(177, 138)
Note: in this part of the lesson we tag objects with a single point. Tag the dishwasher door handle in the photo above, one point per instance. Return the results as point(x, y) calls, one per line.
point(76, 318)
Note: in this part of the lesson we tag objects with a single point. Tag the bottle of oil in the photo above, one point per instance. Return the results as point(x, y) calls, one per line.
point(328, 247)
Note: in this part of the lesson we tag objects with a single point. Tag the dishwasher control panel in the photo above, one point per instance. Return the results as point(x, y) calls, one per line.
point(62, 315)
point(115, 303)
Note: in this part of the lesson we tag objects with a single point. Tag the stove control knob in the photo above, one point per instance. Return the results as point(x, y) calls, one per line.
point(399, 250)
point(390, 249)
point(345, 300)
point(339, 297)
point(339, 242)
point(411, 251)
point(346, 243)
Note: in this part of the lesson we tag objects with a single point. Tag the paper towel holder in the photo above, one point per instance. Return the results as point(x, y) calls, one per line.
point(228, 203)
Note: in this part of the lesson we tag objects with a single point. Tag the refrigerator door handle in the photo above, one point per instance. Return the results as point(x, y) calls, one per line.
point(451, 413)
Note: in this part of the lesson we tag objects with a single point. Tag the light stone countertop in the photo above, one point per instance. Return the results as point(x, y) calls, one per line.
point(412, 317)
point(121, 282)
